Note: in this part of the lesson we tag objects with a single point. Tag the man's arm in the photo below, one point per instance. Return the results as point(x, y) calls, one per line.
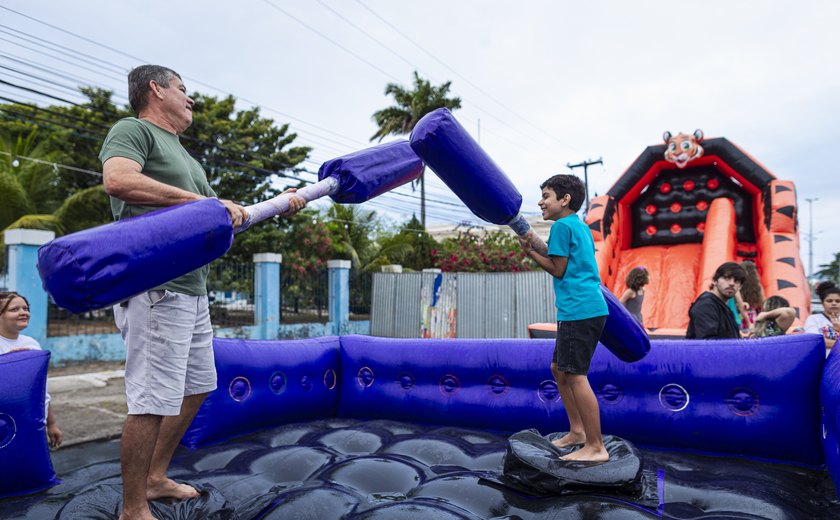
point(123, 178)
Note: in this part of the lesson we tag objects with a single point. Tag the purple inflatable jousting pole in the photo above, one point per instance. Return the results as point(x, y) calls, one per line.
point(475, 178)
point(105, 265)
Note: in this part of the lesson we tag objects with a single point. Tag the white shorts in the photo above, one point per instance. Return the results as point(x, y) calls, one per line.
point(169, 350)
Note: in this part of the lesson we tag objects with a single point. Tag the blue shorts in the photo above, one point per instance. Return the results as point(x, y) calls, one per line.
point(576, 342)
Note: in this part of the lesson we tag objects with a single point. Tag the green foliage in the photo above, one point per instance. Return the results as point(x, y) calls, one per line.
point(26, 185)
point(87, 208)
point(402, 117)
point(830, 271)
point(495, 251)
point(352, 232)
point(242, 153)
point(410, 246)
point(411, 105)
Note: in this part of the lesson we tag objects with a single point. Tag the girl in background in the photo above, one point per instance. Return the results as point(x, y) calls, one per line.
point(775, 318)
point(634, 296)
point(827, 322)
point(14, 317)
point(752, 294)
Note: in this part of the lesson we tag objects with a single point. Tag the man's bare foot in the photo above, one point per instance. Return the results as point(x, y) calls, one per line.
point(169, 489)
point(570, 439)
point(588, 454)
point(141, 514)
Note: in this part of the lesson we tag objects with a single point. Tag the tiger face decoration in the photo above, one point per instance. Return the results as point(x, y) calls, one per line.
point(682, 148)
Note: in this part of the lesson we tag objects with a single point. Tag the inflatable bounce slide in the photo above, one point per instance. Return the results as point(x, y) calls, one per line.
point(685, 207)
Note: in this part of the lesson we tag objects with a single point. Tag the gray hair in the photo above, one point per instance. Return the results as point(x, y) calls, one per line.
point(138, 83)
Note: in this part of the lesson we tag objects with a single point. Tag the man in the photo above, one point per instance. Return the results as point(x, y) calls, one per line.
point(167, 332)
point(709, 316)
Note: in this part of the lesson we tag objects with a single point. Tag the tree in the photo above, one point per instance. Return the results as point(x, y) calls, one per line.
point(410, 107)
point(411, 246)
point(831, 270)
point(247, 157)
point(352, 232)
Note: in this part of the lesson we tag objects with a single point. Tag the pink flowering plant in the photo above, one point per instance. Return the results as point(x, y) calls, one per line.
point(491, 251)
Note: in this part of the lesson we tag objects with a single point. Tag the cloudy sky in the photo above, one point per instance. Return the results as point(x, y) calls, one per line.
point(543, 83)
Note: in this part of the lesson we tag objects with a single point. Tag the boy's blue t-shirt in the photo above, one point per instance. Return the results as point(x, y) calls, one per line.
point(577, 295)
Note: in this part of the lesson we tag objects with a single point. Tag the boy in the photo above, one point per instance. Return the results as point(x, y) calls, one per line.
point(581, 312)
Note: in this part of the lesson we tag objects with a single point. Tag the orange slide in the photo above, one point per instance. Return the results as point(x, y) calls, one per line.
point(681, 220)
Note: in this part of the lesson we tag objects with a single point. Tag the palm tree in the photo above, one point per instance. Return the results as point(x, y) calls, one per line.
point(410, 107)
point(31, 197)
point(831, 270)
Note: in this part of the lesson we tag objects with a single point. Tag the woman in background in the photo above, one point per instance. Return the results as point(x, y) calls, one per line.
point(14, 317)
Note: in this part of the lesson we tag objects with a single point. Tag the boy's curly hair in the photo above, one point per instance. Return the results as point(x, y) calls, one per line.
point(637, 278)
point(562, 184)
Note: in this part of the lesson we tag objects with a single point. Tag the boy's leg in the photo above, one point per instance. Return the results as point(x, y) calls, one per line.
point(576, 433)
point(590, 414)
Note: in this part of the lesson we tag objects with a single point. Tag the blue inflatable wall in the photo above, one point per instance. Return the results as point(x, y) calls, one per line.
point(25, 465)
point(830, 402)
point(743, 398)
point(266, 383)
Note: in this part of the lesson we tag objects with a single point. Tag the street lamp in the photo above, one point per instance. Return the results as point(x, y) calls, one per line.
point(811, 237)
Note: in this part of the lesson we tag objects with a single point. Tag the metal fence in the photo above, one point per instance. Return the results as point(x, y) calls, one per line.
point(361, 288)
point(230, 289)
point(464, 305)
point(303, 296)
point(61, 322)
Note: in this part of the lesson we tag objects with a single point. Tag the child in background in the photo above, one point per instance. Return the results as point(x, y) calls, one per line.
point(775, 318)
point(14, 317)
point(634, 296)
point(752, 293)
point(581, 312)
point(826, 322)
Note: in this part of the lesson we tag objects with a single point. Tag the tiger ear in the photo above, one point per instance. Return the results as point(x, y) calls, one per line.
point(698, 135)
point(666, 136)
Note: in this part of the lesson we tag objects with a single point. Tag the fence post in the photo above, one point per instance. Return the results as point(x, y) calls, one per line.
point(22, 260)
point(267, 294)
point(339, 295)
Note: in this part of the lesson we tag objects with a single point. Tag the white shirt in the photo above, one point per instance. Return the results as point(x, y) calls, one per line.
point(25, 342)
point(819, 324)
point(7, 345)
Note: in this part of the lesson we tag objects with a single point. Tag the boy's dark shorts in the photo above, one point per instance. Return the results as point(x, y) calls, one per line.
point(576, 342)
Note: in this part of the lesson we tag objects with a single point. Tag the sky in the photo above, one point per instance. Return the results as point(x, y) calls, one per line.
point(542, 83)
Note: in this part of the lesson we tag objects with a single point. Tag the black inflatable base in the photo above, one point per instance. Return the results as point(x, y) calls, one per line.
point(339, 468)
point(534, 465)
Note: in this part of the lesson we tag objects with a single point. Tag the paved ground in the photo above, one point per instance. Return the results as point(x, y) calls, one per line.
point(88, 401)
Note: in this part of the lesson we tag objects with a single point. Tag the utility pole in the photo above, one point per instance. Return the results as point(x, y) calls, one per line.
point(585, 165)
point(811, 238)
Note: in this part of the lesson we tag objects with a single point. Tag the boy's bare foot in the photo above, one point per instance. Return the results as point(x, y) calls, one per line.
point(169, 489)
point(588, 454)
point(570, 439)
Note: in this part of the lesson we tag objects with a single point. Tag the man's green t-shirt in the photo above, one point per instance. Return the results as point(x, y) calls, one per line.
point(162, 158)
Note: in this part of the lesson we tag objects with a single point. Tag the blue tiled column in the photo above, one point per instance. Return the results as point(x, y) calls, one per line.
point(339, 295)
point(22, 260)
point(267, 294)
